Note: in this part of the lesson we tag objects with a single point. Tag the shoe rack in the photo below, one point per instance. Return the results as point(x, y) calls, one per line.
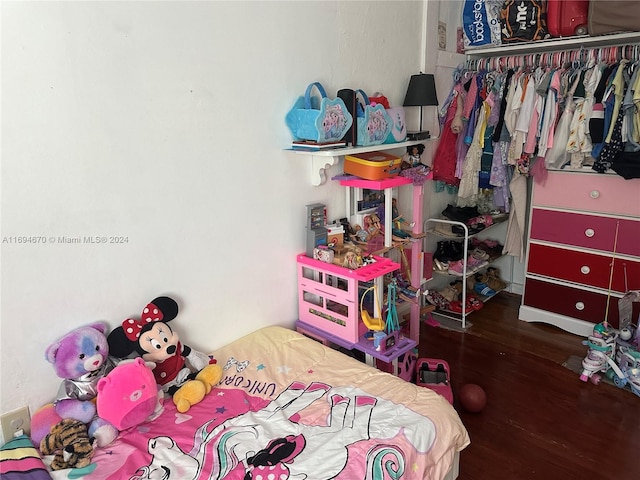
point(429, 228)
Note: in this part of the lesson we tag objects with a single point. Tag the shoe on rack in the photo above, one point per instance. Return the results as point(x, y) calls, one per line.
point(474, 303)
point(483, 289)
point(474, 263)
point(443, 229)
point(436, 299)
point(456, 307)
point(480, 254)
point(457, 285)
point(455, 249)
point(443, 252)
point(450, 293)
point(440, 266)
point(493, 279)
point(454, 213)
point(458, 230)
point(456, 268)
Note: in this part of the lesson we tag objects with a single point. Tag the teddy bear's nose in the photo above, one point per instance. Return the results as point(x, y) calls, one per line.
point(171, 349)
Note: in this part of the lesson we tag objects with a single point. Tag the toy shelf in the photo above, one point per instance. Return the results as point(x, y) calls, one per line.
point(328, 307)
point(366, 273)
point(364, 345)
point(323, 159)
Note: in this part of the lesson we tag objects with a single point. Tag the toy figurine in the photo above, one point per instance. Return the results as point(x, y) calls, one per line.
point(372, 225)
point(413, 156)
point(350, 261)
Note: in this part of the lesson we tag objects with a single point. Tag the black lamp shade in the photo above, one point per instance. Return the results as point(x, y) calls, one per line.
point(421, 91)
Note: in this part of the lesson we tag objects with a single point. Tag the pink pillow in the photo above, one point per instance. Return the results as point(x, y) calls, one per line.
point(128, 395)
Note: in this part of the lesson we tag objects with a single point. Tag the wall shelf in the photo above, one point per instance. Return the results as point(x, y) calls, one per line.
point(555, 44)
point(323, 159)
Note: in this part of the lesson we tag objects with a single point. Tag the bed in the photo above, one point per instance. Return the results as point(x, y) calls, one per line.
point(289, 407)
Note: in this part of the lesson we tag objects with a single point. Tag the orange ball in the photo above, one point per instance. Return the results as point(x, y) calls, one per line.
point(472, 398)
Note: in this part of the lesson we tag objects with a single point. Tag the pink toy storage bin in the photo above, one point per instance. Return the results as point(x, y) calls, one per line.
point(328, 295)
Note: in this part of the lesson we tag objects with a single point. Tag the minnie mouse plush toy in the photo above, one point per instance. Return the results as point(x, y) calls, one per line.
point(182, 372)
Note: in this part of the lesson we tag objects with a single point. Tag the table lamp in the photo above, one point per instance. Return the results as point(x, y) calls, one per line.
point(421, 92)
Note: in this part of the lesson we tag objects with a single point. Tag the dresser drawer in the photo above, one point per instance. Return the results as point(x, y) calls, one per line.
point(587, 231)
point(570, 301)
point(586, 268)
point(589, 192)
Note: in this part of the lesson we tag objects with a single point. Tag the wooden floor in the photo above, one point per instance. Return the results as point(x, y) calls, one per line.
point(541, 421)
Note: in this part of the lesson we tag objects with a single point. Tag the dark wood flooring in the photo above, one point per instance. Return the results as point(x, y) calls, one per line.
point(541, 421)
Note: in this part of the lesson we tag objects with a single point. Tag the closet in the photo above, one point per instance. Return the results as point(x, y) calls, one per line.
point(554, 130)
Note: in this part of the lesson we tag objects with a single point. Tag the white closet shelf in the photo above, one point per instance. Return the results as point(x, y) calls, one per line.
point(324, 159)
point(555, 44)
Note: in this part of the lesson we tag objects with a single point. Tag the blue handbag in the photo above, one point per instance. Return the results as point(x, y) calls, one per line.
point(374, 124)
point(320, 120)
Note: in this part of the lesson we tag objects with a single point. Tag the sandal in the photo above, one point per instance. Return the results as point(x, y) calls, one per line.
point(483, 289)
point(456, 307)
point(436, 298)
point(474, 303)
point(440, 266)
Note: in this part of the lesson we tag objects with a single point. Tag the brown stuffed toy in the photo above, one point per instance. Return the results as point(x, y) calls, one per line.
point(70, 443)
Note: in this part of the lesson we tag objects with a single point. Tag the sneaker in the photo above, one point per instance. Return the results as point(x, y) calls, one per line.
point(474, 263)
point(480, 254)
point(456, 268)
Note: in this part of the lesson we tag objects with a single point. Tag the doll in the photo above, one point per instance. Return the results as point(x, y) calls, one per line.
point(413, 156)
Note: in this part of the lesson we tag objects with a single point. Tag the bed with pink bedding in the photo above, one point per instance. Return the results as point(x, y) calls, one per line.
point(291, 408)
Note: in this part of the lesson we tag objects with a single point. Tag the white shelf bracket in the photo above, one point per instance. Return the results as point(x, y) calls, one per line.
point(318, 165)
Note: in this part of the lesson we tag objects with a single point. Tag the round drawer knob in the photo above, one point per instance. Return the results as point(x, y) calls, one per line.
point(594, 194)
point(585, 269)
point(580, 306)
point(589, 232)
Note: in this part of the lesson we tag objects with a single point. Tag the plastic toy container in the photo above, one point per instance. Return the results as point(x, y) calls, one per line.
point(372, 165)
point(434, 374)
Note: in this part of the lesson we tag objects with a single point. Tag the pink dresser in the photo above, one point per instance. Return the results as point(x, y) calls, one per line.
point(572, 245)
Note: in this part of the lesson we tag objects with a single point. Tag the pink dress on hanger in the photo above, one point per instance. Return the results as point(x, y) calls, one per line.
point(444, 160)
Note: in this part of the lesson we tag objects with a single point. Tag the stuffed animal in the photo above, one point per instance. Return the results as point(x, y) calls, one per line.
point(129, 395)
point(81, 359)
point(182, 372)
point(70, 443)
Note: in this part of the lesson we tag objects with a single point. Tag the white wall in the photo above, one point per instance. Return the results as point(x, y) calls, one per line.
point(163, 122)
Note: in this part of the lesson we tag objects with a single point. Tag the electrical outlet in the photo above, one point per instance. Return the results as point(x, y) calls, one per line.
point(15, 421)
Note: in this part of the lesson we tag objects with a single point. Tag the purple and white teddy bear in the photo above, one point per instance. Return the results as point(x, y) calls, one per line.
point(81, 359)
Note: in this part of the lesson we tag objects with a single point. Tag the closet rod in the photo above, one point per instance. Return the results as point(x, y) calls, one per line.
point(556, 59)
point(555, 44)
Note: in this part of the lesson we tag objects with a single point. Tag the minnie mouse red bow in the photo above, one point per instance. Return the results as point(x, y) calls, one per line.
point(132, 328)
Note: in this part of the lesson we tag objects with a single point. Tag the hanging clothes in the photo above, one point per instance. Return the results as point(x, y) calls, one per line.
point(468, 190)
point(445, 158)
point(565, 110)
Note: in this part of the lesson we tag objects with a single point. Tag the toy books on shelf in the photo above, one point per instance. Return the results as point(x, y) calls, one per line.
point(309, 145)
